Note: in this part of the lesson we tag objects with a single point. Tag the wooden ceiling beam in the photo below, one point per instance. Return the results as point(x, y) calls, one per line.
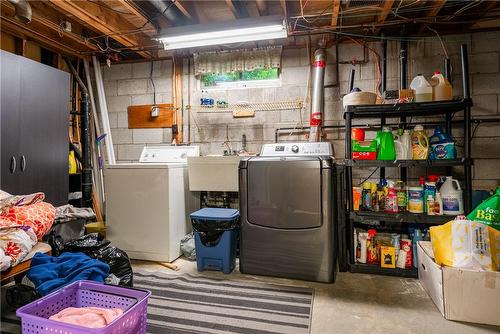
point(335, 13)
point(46, 30)
point(133, 9)
point(105, 22)
point(262, 7)
point(385, 11)
point(436, 7)
point(187, 9)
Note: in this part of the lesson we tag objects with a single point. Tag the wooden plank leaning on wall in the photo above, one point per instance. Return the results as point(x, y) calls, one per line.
point(177, 63)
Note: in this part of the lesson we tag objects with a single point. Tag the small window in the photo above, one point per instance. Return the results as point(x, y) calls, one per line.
point(241, 79)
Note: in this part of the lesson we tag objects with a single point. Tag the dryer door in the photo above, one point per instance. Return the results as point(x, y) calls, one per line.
point(284, 192)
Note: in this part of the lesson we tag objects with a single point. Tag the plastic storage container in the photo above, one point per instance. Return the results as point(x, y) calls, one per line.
point(441, 87)
point(422, 89)
point(216, 236)
point(133, 302)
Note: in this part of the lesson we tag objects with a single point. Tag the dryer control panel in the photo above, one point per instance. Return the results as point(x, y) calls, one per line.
point(299, 149)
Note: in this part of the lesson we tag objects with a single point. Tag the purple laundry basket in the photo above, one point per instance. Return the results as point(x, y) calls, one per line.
point(133, 302)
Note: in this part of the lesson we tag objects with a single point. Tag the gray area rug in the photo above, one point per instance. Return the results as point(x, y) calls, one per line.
point(183, 303)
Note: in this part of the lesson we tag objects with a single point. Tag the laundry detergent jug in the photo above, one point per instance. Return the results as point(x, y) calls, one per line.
point(452, 197)
point(441, 87)
point(386, 150)
point(442, 146)
point(402, 143)
point(422, 89)
point(419, 143)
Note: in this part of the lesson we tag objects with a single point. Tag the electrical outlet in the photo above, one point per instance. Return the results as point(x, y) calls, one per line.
point(155, 111)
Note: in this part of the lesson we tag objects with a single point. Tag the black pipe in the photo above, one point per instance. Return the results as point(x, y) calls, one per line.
point(467, 128)
point(447, 69)
point(86, 159)
point(351, 80)
point(403, 64)
point(383, 85)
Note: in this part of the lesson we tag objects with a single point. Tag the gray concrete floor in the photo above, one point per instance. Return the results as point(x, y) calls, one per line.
point(357, 303)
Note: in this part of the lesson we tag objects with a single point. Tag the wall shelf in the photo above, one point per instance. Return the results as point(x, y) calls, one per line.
point(407, 163)
point(401, 217)
point(269, 106)
point(375, 269)
point(404, 113)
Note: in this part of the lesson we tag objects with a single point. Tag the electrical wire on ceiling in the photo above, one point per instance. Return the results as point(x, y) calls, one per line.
point(440, 40)
point(152, 82)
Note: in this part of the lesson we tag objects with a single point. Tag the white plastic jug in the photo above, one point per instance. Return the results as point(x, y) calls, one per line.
point(452, 197)
point(441, 87)
point(422, 89)
point(403, 146)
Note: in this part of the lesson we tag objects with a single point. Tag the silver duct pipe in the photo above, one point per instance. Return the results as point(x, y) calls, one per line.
point(317, 95)
point(23, 10)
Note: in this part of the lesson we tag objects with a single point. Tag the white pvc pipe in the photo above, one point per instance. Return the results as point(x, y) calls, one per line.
point(101, 98)
point(98, 176)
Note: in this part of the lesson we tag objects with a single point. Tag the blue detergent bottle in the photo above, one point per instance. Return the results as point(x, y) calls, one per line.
point(442, 145)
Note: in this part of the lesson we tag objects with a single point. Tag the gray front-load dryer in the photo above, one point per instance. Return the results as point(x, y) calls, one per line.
point(287, 214)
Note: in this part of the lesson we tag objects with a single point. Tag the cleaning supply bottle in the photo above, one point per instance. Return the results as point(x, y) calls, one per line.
point(391, 200)
point(386, 151)
point(430, 190)
point(402, 143)
point(419, 143)
point(442, 146)
point(373, 191)
point(452, 197)
point(422, 89)
point(366, 198)
point(402, 196)
point(438, 204)
point(441, 87)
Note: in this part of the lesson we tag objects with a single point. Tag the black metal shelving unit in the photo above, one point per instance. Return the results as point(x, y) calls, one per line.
point(405, 112)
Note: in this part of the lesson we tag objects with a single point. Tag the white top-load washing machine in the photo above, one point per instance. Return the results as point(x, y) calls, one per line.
point(148, 203)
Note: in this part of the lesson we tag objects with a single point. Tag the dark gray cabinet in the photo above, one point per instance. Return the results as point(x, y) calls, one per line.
point(34, 116)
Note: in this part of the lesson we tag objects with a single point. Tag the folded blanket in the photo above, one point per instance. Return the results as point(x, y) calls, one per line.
point(48, 273)
point(27, 210)
point(92, 317)
point(15, 244)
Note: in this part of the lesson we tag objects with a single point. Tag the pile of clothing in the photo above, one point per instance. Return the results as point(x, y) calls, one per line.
point(23, 221)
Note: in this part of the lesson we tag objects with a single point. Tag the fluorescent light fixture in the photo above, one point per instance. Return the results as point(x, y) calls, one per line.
point(238, 31)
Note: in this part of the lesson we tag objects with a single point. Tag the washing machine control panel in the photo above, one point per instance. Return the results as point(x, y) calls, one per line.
point(167, 153)
point(299, 149)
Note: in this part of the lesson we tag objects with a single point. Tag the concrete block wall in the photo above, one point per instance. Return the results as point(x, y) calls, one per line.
point(129, 84)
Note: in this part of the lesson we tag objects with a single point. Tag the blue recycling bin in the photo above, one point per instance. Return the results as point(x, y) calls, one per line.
point(216, 236)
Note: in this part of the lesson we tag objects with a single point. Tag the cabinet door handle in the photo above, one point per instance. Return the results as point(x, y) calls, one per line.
point(12, 164)
point(23, 163)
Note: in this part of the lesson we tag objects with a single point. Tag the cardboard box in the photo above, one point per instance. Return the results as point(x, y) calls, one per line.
point(460, 294)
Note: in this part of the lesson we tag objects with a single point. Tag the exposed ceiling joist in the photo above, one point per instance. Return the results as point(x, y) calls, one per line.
point(262, 7)
point(385, 11)
point(45, 30)
point(335, 13)
point(106, 22)
point(238, 8)
point(436, 7)
point(186, 8)
point(133, 9)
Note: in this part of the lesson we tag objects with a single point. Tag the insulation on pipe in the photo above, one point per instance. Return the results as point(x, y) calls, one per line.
point(317, 96)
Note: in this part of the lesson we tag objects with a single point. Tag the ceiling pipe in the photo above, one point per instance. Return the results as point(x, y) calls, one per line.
point(23, 10)
point(170, 12)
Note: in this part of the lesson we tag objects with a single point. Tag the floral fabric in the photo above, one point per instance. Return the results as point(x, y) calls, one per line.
point(23, 220)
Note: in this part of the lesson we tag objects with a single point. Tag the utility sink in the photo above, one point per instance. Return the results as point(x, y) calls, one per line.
point(213, 173)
